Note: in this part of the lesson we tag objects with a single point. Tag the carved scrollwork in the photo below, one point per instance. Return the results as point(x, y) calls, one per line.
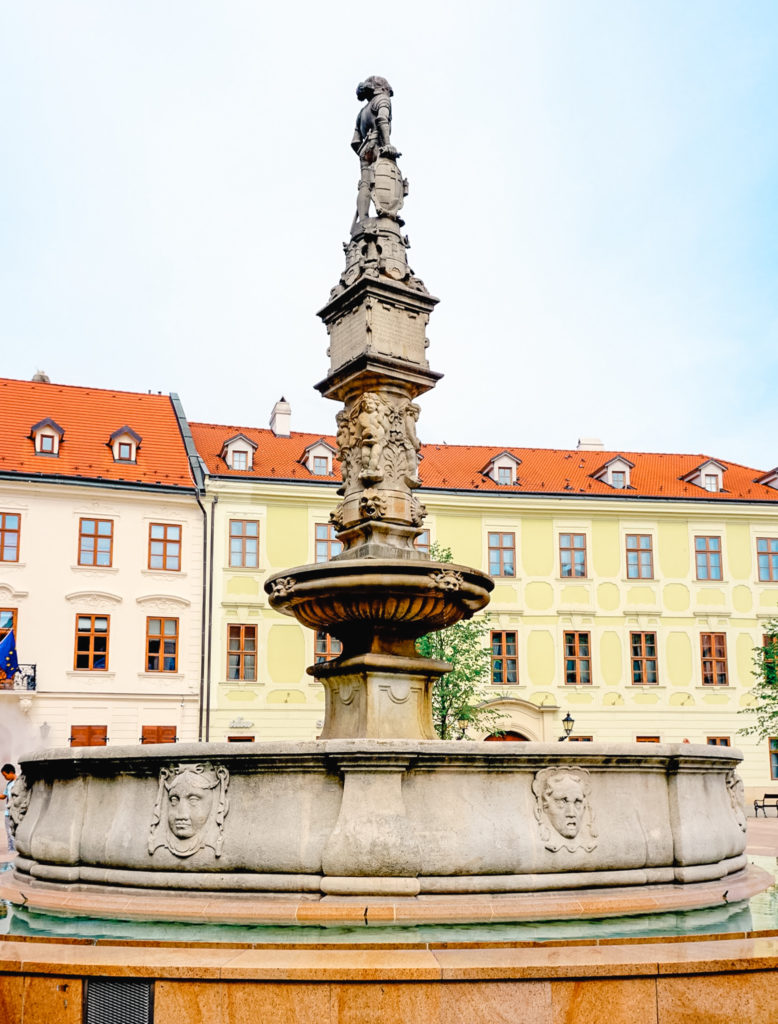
point(372, 505)
point(190, 809)
point(563, 810)
point(283, 586)
point(418, 511)
point(448, 579)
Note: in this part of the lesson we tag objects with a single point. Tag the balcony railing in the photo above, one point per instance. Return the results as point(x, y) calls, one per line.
point(24, 679)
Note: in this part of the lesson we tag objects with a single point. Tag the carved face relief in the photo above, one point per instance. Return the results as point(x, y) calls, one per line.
point(19, 801)
point(190, 809)
point(737, 798)
point(562, 809)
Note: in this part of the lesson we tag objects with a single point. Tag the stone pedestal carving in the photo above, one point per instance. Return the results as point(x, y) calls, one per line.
point(380, 594)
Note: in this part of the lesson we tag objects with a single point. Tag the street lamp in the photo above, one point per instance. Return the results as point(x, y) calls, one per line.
point(462, 724)
point(567, 724)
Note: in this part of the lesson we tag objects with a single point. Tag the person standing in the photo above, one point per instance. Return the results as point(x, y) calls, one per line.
point(9, 774)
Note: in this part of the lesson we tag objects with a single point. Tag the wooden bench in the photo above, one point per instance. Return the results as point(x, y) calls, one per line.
point(768, 800)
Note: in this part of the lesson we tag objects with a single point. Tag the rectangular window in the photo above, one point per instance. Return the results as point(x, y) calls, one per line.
point(707, 551)
point(774, 757)
point(326, 647)
point(95, 542)
point(714, 659)
point(640, 557)
point(711, 482)
point(502, 554)
point(578, 659)
point(125, 451)
point(505, 663)
point(321, 465)
point(619, 479)
point(46, 445)
point(647, 739)
point(242, 652)
point(643, 657)
point(422, 542)
point(244, 543)
point(88, 735)
point(240, 739)
point(165, 547)
point(240, 460)
point(504, 475)
point(7, 623)
point(327, 543)
point(770, 656)
point(580, 739)
point(767, 559)
point(158, 734)
point(161, 645)
point(9, 536)
point(572, 554)
point(718, 741)
point(92, 633)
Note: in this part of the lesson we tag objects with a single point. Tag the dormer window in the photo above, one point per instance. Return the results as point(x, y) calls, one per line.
point(769, 479)
point(124, 443)
point(47, 437)
point(503, 469)
point(317, 458)
point(238, 453)
point(709, 476)
point(615, 473)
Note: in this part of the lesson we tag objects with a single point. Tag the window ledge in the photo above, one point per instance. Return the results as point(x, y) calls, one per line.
point(7, 564)
point(244, 570)
point(715, 686)
point(95, 568)
point(585, 686)
point(178, 573)
point(82, 673)
point(161, 675)
point(639, 579)
point(711, 613)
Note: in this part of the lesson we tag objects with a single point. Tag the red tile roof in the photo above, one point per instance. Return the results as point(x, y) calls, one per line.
point(458, 468)
point(89, 416)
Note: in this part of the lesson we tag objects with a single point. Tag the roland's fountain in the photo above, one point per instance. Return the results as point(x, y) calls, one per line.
point(377, 806)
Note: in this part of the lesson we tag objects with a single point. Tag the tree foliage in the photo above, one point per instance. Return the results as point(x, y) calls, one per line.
point(460, 695)
point(763, 706)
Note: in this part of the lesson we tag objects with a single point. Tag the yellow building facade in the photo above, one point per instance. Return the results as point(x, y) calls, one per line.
point(637, 615)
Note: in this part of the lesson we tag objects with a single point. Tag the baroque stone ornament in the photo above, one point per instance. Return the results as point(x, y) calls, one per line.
point(283, 586)
point(448, 579)
point(19, 802)
point(737, 798)
point(418, 511)
point(190, 809)
point(372, 505)
point(562, 809)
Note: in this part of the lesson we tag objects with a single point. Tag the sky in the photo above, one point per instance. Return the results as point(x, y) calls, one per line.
point(592, 198)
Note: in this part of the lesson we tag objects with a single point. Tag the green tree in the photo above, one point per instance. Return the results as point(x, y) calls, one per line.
point(763, 704)
point(460, 695)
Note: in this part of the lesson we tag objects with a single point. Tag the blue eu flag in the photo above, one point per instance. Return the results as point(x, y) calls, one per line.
point(9, 662)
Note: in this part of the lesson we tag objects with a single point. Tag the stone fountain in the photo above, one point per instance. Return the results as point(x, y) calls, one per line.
point(377, 806)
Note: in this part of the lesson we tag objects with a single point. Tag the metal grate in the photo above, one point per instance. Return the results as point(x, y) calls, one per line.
point(110, 1001)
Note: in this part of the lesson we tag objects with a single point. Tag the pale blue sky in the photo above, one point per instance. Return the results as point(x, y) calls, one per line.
point(593, 199)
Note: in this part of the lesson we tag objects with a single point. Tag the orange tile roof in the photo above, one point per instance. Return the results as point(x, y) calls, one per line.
point(89, 416)
point(458, 468)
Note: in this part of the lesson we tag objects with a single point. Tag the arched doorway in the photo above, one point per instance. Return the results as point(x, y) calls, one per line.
point(509, 735)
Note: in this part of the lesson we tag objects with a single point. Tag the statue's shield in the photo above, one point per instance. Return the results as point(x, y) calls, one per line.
point(389, 187)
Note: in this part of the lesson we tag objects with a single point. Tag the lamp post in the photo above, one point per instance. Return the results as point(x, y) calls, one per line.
point(567, 724)
point(462, 724)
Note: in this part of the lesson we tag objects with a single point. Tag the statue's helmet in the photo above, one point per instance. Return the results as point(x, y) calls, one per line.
point(372, 85)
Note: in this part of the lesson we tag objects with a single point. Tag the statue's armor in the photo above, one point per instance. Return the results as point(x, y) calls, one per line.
point(375, 114)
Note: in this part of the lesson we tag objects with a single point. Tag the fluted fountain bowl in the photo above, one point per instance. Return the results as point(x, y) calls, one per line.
point(373, 596)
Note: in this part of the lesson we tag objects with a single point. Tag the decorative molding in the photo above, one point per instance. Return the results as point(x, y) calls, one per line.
point(163, 602)
point(7, 593)
point(93, 597)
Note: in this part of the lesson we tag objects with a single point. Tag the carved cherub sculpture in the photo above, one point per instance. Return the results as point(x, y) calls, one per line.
point(372, 435)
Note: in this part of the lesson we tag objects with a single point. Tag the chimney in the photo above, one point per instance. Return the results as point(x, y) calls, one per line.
point(281, 418)
point(590, 444)
point(41, 377)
